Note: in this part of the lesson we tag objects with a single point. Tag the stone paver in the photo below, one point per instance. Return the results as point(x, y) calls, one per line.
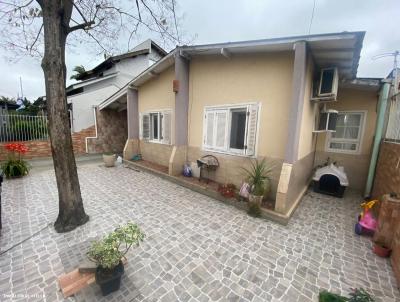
point(196, 249)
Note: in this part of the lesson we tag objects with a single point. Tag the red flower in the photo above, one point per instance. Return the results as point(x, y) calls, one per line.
point(19, 148)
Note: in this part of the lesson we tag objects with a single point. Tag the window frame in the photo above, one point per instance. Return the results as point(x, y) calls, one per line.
point(229, 108)
point(159, 126)
point(358, 141)
point(160, 113)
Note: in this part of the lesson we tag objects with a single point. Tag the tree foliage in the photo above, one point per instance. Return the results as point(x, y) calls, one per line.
point(45, 29)
point(79, 70)
point(107, 26)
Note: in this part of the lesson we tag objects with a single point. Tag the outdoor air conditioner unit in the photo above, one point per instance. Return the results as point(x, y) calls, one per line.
point(327, 121)
point(325, 85)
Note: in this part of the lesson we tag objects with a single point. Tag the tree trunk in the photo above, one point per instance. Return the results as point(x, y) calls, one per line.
point(56, 16)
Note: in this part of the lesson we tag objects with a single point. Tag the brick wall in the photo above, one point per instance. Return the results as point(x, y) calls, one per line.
point(112, 133)
point(39, 149)
point(387, 176)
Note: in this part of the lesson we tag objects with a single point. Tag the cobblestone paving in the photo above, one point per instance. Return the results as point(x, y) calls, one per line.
point(197, 249)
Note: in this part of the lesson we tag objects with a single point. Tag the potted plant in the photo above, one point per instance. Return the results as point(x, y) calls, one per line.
point(227, 190)
point(381, 249)
point(108, 252)
point(258, 177)
point(15, 166)
point(109, 159)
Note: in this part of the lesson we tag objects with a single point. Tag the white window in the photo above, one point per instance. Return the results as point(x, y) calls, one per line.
point(155, 126)
point(231, 129)
point(349, 130)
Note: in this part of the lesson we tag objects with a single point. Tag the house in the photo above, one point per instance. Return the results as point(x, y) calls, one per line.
point(256, 99)
point(99, 83)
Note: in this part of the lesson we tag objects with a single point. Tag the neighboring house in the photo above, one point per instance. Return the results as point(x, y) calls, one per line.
point(255, 99)
point(100, 83)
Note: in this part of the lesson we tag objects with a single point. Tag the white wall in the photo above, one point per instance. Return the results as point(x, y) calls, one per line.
point(82, 106)
point(94, 94)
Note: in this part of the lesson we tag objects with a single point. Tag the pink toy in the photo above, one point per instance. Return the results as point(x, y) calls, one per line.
point(368, 222)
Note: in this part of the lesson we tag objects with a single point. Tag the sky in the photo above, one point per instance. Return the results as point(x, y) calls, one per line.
point(214, 21)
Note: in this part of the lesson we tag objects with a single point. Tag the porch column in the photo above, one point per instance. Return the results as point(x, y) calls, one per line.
point(133, 113)
point(179, 152)
point(132, 143)
point(295, 117)
point(297, 104)
point(181, 100)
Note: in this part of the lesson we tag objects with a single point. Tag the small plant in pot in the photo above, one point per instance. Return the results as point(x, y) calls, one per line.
point(258, 177)
point(109, 159)
point(227, 190)
point(15, 166)
point(108, 253)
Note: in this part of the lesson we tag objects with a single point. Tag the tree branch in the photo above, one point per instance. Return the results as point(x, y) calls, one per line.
point(37, 37)
point(85, 26)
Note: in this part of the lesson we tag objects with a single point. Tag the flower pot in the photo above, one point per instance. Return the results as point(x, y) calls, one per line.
point(256, 199)
point(109, 280)
point(381, 250)
point(109, 160)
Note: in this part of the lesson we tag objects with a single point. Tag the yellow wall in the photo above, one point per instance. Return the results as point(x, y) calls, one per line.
point(355, 165)
point(157, 93)
point(264, 78)
point(307, 137)
point(354, 100)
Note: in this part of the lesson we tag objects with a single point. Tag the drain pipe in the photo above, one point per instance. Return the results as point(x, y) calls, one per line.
point(380, 119)
point(95, 128)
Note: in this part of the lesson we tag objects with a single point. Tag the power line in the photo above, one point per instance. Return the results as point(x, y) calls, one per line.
point(312, 17)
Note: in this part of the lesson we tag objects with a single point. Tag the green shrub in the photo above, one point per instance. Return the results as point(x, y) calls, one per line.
point(15, 168)
point(254, 210)
point(360, 295)
point(325, 296)
point(258, 175)
point(108, 252)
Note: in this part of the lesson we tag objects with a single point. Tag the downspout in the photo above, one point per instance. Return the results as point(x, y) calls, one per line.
point(380, 121)
point(95, 128)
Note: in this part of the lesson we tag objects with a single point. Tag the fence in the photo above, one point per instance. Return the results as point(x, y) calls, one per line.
point(23, 128)
point(393, 126)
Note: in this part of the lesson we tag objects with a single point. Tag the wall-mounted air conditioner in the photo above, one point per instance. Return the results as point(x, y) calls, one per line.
point(327, 121)
point(325, 85)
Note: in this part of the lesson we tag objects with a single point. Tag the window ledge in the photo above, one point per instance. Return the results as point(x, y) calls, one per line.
point(226, 153)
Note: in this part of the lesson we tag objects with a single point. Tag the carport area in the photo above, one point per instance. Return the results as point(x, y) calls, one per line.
point(196, 248)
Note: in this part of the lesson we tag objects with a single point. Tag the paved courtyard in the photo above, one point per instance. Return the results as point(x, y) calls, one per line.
point(197, 249)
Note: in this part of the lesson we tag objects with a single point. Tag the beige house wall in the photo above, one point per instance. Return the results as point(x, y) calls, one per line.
point(310, 109)
point(242, 79)
point(355, 165)
point(264, 78)
point(157, 94)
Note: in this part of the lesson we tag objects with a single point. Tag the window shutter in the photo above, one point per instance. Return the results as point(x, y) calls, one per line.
point(251, 130)
point(221, 129)
point(166, 127)
point(146, 126)
point(209, 129)
point(140, 126)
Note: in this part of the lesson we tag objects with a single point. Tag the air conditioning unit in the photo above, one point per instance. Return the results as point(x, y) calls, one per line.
point(327, 121)
point(325, 85)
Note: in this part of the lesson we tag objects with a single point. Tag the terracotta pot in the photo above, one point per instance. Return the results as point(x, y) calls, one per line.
point(381, 251)
point(256, 199)
point(109, 160)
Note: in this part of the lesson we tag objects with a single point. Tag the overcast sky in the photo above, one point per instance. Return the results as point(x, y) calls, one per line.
point(234, 20)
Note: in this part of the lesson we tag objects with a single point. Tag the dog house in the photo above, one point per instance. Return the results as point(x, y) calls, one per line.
point(330, 180)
